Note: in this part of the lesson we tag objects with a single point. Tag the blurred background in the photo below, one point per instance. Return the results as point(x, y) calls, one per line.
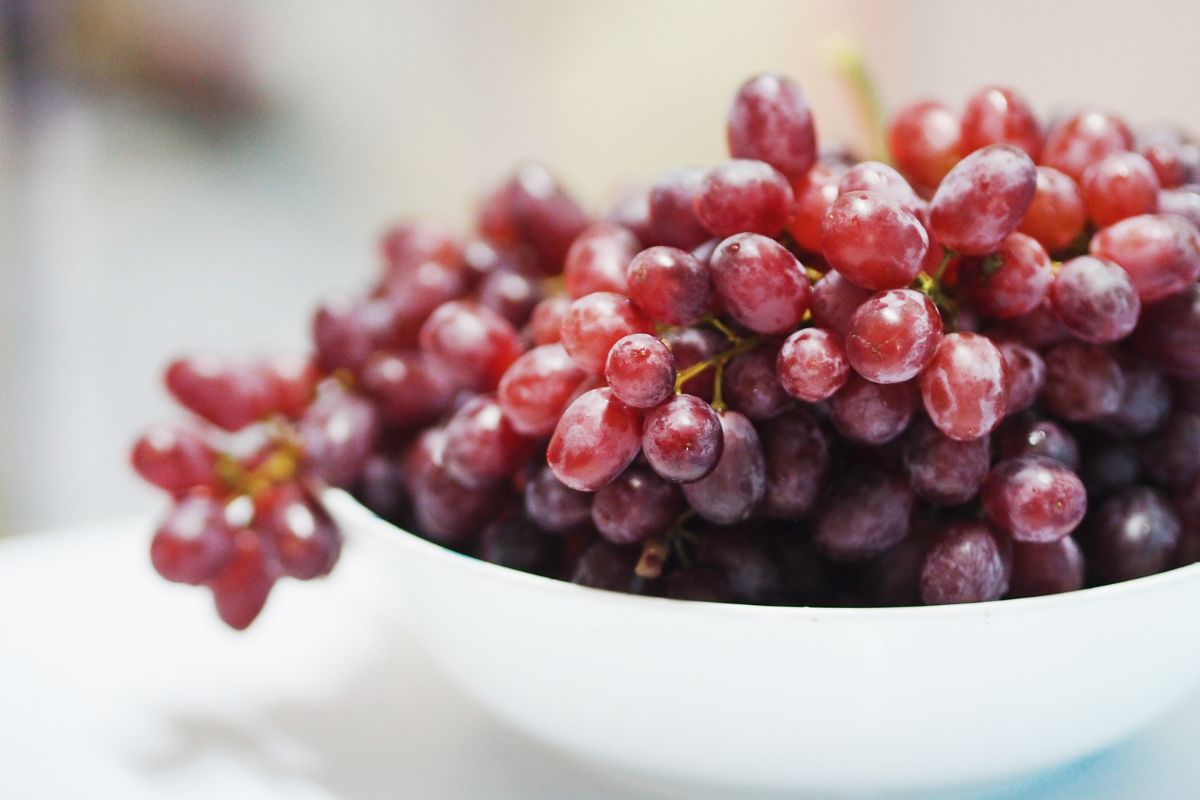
point(194, 174)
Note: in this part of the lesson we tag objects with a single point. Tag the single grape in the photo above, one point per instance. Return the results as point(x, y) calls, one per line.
point(409, 389)
point(1133, 534)
point(410, 244)
point(942, 470)
point(730, 492)
point(598, 259)
point(513, 541)
point(509, 294)
point(1034, 498)
point(752, 386)
point(1082, 139)
point(835, 299)
point(812, 364)
point(606, 566)
point(770, 120)
point(872, 241)
point(893, 336)
point(923, 139)
point(597, 437)
point(1095, 300)
point(1057, 215)
point(293, 380)
point(537, 388)
point(982, 200)
point(228, 394)
point(742, 560)
point(742, 196)
point(673, 218)
point(965, 387)
point(1171, 455)
point(595, 323)
point(1145, 403)
point(683, 439)
point(873, 413)
point(541, 214)
point(796, 453)
point(1049, 568)
point(1168, 334)
point(1032, 436)
point(1182, 203)
point(241, 587)
point(482, 446)
point(641, 370)
point(996, 115)
point(545, 323)
point(194, 541)
point(1175, 159)
point(555, 507)
point(304, 538)
point(635, 506)
point(445, 511)
point(1026, 373)
point(1161, 253)
point(338, 434)
point(1119, 186)
point(867, 513)
point(760, 283)
point(1011, 282)
point(814, 194)
point(965, 564)
point(382, 486)
point(670, 285)
point(176, 460)
point(473, 344)
point(874, 176)
point(1083, 382)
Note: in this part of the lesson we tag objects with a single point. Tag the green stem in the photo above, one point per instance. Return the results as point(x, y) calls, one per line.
point(719, 360)
point(721, 327)
point(848, 62)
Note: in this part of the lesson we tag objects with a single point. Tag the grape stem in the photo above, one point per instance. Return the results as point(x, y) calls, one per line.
point(847, 61)
point(717, 362)
point(932, 286)
point(724, 329)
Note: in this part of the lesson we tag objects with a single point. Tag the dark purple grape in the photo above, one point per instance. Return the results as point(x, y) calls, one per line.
point(965, 564)
point(796, 454)
point(695, 583)
point(555, 507)
point(1171, 455)
point(1168, 335)
point(513, 541)
point(1133, 533)
point(1095, 300)
point(742, 560)
point(338, 433)
point(730, 492)
point(682, 439)
point(944, 471)
point(691, 346)
point(867, 514)
point(873, 413)
point(1145, 403)
point(637, 505)
point(1109, 464)
point(751, 385)
point(1039, 437)
point(446, 511)
point(1083, 382)
point(1050, 568)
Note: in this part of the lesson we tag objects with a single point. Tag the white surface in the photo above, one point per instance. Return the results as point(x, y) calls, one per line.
point(115, 685)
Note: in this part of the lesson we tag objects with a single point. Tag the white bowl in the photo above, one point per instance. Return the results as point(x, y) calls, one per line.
point(795, 699)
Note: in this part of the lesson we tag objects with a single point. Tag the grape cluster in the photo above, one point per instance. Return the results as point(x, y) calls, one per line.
point(793, 378)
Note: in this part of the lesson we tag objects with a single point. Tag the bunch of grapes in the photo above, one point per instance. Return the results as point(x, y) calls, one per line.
point(793, 378)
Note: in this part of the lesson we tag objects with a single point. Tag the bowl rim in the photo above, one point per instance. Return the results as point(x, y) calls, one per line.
point(344, 506)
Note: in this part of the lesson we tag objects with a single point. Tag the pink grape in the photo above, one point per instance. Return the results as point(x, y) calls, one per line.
point(670, 285)
point(872, 241)
point(812, 365)
point(1034, 499)
point(1095, 300)
point(596, 438)
point(965, 388)
point(641, 370)
point(982, 200)
point(598, 259)
point(682, 439)
point(770, 120)
point(742, 196)
point(595, 323)
point(996, 115)
point(1161, 253)
point(760, 283)
point(1011, 282)
point(893, 336)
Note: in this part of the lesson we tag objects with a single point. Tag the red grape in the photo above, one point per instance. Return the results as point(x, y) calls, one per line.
point(873, 176)
point(752, 386)
point(595, 323)
point(1034, 498)
point(770, 120)
point(410, 243)
point(814, 195)
point(338, 434)
point(744, 196)
point(473, 344)
point(760, 283)
point(996, 115)
point(682, 439)
point(1161, 253)
point(597, 437)
point(670, 285)
point(1095, 300)
point(1026, 373)
point(873, 241)
point(983, 199)
point(1083, 382)
point(1057, 215)
point(923, 139)
point(1119, 186)
point(965, 564)
point(872, 413)
point(1082, 139)
point(633, 212)
point(482, 446)
point(545, 323)
point(942, 470)
point(509, 294)
point(598, 259)
point(674, 220)
point(641, 370)
point(542, 215)
point(175, 459)
point(194, 541)
point(537, 388)
point(445, 510)
point(230, 395)
point(1182, 203)
point(1040, 437)
point(730, 492)
point(965, 388)
point(835, 299)
point(635, 506)
point(409, 389)
point(241, 587)
point(796, 453)
point(304, 538)
point(1011, 282)
point(691, 346)
point(893, 336)
point(812, 365)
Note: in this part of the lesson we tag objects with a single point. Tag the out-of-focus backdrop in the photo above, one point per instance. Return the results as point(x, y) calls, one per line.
point(194, 174)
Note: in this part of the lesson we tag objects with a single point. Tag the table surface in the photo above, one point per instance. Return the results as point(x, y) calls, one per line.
point(115, 684)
